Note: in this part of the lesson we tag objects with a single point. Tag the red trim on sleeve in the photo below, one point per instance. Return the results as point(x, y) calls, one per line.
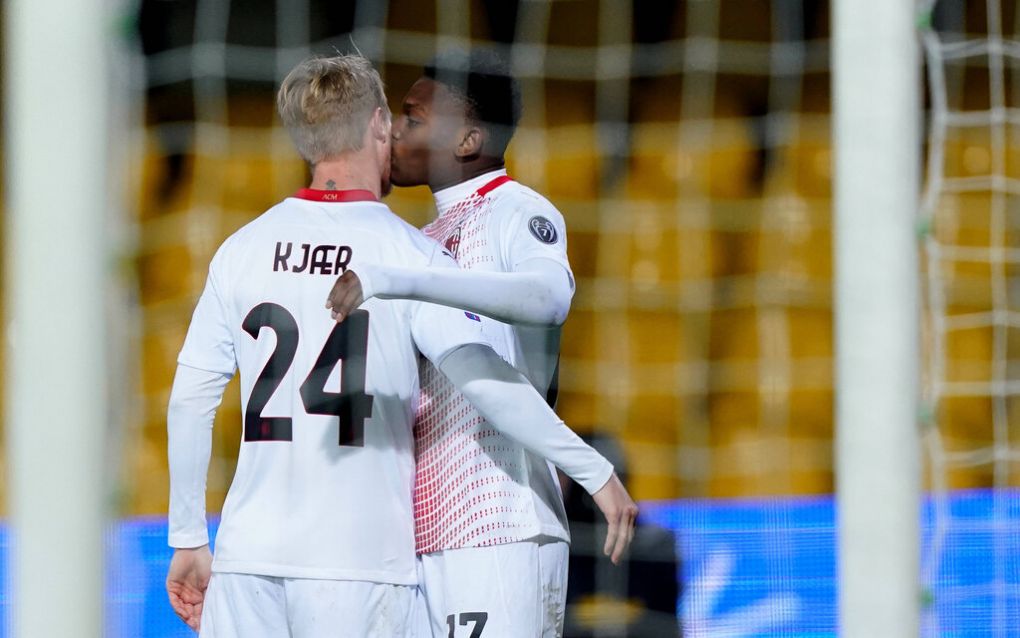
point(494, 184)
point(355, 195)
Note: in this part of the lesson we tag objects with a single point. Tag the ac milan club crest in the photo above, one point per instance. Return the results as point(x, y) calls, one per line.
point(542, 229)
point(453, 242)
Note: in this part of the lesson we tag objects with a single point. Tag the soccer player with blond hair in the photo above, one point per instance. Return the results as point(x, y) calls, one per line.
point(316, 536)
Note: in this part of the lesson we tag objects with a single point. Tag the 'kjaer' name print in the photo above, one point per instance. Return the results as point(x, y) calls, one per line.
point(325, 259)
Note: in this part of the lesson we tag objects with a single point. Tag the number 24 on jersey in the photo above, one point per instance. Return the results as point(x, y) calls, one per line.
point(347, 343)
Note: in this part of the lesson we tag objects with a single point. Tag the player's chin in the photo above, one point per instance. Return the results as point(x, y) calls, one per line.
point(400, 177)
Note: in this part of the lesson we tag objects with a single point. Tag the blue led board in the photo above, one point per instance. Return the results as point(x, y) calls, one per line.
point(750, 568)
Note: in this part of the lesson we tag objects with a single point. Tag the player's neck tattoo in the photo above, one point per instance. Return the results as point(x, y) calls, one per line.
point(331, 185)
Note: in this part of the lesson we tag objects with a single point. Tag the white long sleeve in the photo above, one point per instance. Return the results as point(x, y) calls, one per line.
point(509, 403)
point(538, 293)
point(194, 399)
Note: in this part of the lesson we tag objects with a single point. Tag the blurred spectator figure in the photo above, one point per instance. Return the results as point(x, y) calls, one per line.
point(639, 598)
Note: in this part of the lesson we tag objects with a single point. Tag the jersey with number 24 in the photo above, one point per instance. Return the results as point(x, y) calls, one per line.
point(325, 469)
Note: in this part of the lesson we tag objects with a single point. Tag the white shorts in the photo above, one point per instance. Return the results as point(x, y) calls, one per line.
point(250, 606)
point(515, 590)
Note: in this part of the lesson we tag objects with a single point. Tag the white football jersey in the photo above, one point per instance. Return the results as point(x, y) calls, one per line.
point(475, 486)
point(325, 470)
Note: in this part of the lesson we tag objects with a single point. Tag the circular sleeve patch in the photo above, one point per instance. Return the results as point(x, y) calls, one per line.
point(543, 229)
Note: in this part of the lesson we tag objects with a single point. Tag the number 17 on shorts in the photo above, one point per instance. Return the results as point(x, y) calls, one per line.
point(475, 619)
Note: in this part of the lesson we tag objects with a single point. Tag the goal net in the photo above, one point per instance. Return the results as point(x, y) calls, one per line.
point(688, 145)
point(970, 221)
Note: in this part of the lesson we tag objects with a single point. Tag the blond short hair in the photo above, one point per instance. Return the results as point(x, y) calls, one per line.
point(327, 103)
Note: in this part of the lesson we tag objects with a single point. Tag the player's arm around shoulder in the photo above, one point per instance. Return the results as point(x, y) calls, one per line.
point(397, 278)
point(533, 286)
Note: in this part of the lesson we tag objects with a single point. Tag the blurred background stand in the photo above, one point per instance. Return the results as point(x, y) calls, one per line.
point(636, 599)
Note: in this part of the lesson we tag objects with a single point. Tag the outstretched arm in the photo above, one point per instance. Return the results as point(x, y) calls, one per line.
point(537, 293)
point(508, 402)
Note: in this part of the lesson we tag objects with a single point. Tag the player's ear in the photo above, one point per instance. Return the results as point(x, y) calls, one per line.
point(471, 141)
point(380, 125)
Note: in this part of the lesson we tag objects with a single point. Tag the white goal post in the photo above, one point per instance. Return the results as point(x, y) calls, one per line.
point(877, 140)
point(57, 114)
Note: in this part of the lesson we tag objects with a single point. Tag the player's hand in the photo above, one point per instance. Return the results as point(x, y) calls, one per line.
point(345, 296)
point(620, 512)
point(186, 582)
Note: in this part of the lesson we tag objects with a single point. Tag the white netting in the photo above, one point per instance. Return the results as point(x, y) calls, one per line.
point(970, 221)
point(688, 146)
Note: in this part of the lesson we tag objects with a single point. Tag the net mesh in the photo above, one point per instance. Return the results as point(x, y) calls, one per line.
point(970, 221)
point(688, 145)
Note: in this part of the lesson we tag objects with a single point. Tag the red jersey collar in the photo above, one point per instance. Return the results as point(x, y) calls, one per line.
point(354, 195)
point(494, 184)
point(478, 186)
